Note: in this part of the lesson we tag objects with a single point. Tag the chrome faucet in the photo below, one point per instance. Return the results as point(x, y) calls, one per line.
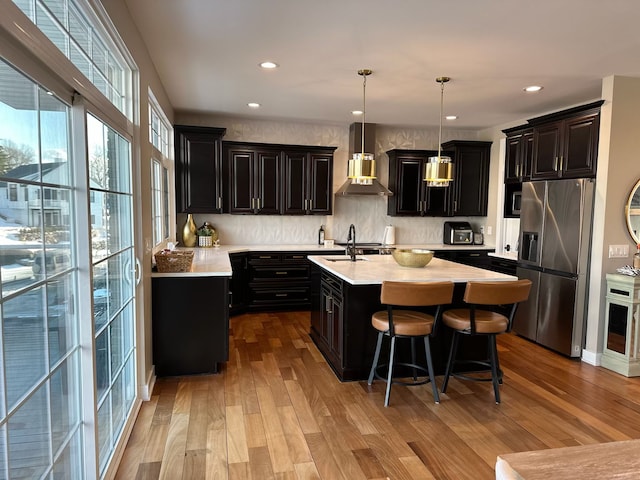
point(351, 242)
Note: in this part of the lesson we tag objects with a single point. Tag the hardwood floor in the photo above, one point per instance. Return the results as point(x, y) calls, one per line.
point(277, 411)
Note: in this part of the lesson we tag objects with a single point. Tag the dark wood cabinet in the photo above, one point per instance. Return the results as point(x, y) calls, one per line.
point(277, 179)
point(198, 155)
point(238, 283)
point(411, 195)
point(519, 154)
point(253, 175)
point(565, 143)
point(277, 280)
point(329, 321)
point(474, 258)
point(190, 324)
point(308, 182)
point(470, 188)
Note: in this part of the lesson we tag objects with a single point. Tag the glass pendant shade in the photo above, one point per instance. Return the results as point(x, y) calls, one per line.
point(362, 169)
point(438, 171)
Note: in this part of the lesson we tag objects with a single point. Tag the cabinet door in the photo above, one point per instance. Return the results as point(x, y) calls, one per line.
point(320, 184)
point(198, 169)
point(580, 146)
point(241, 180)
point(471, 180)
point(267, 182)
point(336, 328)
point(511, 159)
point(525, 155)
point(295, 183)
point(546, 151)
point(407, 186)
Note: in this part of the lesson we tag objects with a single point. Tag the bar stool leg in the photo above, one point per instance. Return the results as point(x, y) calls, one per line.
point(432, 377)
point(493, 353)
point(452, 354)
point(392, 353)
point(413, 358)
point(376, 357)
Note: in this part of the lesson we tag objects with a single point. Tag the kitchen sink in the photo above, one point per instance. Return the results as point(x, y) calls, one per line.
point(345, 259)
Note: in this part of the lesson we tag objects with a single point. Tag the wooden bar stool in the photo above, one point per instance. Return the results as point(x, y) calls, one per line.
point(402, 323)
point(492, 306)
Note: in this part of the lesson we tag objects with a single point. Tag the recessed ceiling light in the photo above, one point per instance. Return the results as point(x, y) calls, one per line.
point(269, 65)
point(356, 112)
point(533, 88)
point(253, 105)
point(451, 117)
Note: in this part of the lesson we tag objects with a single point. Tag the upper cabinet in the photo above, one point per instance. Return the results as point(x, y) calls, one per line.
point(470, 188)
point(253, 179)
point(277, 179)
point(308, 182)
point(411, 196)
point(467, 195)
point(198, 153)
point(519, 154)
point(565, 144)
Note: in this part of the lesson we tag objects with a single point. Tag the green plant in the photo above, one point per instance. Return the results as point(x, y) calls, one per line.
point(204, 232)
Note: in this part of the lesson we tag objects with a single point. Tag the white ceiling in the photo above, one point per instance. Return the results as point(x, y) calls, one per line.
point(207, 54)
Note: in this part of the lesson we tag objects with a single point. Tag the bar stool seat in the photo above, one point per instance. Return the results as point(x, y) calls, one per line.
point(398, 322)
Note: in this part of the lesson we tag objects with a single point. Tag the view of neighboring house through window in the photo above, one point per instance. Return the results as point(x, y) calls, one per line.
point(40, 418)
point(160, 133)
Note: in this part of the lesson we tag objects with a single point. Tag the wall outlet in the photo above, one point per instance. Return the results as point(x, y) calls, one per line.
point(489, 230)
point(618, 251)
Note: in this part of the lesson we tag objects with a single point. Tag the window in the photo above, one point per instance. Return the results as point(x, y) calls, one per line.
point(13, 192)
point(68, 24)
point(160, 133)
point(40, 416)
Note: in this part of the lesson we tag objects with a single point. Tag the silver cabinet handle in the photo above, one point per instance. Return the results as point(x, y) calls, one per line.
point(555, 164)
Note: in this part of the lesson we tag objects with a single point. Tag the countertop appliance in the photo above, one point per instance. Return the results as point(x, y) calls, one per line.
point(555, 244)
point(457, 233)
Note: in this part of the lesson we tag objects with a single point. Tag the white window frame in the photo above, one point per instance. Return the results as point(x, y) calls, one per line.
point(162, 158)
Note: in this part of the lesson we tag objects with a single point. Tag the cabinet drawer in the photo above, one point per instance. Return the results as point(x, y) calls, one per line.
point(333, 284)
point(280, 296)
point(274, 273)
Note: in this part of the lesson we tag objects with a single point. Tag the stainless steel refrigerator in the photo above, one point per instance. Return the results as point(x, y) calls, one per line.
point(554, 249)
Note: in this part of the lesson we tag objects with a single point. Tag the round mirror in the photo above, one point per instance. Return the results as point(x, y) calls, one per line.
point(632, 209)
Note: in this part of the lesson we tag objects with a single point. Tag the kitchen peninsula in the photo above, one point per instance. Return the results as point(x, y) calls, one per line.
point(345, 294)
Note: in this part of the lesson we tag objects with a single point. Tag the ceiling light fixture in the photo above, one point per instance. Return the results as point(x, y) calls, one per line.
point(362, 167)
point(269, 65)
point(356, 112)
point(253, 105)
point(451, 117)
point(533, 88)
point(438, 171)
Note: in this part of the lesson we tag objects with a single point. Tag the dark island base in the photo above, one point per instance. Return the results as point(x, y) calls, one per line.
point(341, 329)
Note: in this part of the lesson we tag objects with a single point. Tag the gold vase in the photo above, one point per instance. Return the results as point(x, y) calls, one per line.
point(189, 236)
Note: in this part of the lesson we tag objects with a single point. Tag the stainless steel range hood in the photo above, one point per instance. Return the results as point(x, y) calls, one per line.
point(349, 188)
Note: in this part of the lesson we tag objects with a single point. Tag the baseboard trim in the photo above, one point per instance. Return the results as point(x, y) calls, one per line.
point(592, 358)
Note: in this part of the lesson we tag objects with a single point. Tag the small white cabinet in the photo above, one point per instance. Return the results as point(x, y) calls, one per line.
point(622, 335)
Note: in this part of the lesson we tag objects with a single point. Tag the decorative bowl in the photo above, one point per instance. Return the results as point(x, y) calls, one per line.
point(412, 257)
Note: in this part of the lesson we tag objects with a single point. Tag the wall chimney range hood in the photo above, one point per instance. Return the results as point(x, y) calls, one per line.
point(350, 187)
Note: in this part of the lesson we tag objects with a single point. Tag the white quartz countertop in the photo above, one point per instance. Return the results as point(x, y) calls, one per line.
point(505, 255)
point(211, 262)
point(374, 269)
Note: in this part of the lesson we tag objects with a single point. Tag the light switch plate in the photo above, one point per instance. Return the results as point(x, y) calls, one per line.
point(618, 251)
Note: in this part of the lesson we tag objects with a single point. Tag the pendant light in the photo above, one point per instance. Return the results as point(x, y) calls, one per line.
point(439, 170)
point(362, 167)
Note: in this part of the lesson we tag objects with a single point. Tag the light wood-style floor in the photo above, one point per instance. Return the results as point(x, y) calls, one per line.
point(278, 411)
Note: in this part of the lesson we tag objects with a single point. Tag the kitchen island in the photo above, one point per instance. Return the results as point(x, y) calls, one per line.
point(345, 294)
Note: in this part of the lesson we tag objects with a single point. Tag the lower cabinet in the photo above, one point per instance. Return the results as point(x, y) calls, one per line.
point(238, 283)
point(474, 258)
point(278, 280)
point(328, 321)
point(190, 324)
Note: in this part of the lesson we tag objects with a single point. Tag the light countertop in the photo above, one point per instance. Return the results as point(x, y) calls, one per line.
point(505, 255)
point(374, 269)
point(214, 262)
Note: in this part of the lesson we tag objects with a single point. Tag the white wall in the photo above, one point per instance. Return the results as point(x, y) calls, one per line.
point(618, 171)
point(368, 213)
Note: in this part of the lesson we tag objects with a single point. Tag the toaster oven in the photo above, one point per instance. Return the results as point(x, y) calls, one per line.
point(457, 233)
